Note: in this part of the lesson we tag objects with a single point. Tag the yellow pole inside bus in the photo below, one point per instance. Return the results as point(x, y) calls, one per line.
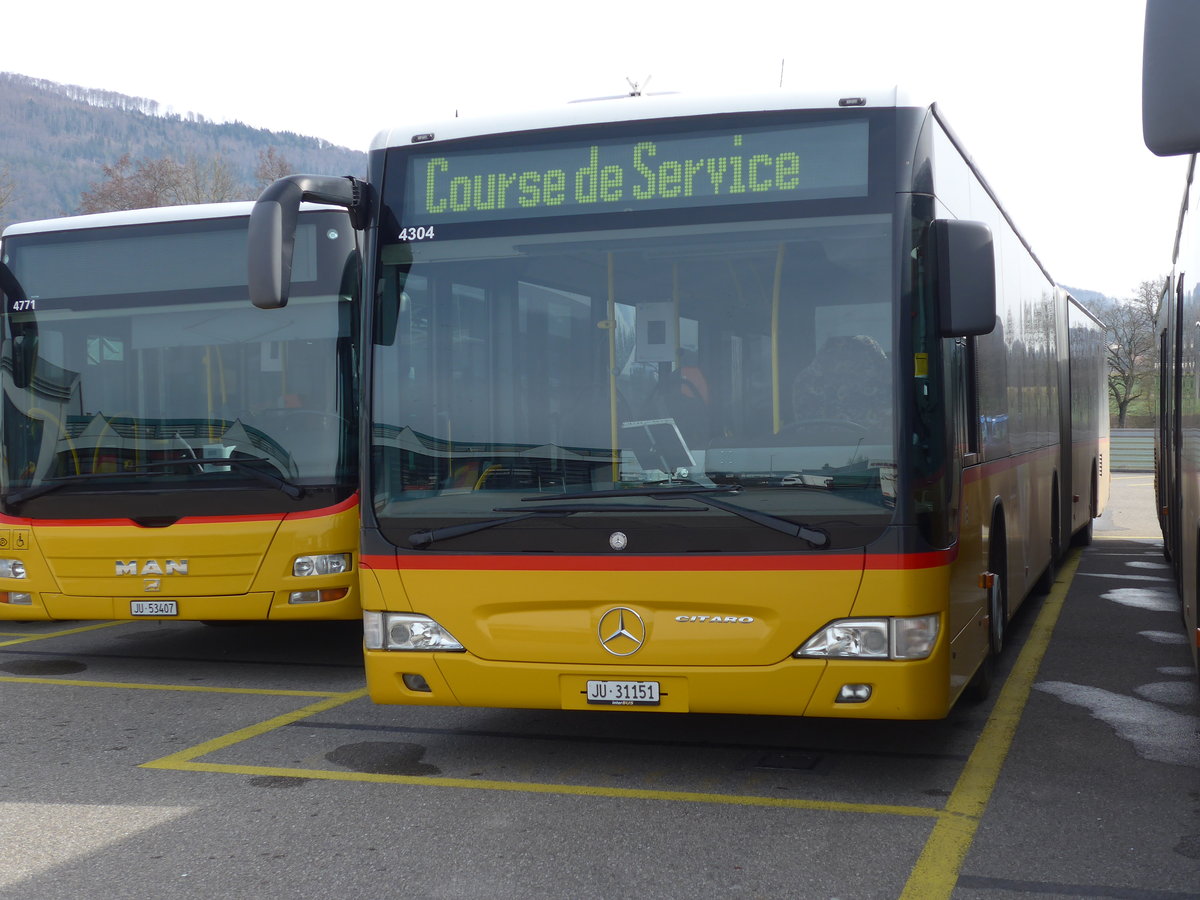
point(675, 301)
point(776, 423)
point(208, 388)
point(611, 324)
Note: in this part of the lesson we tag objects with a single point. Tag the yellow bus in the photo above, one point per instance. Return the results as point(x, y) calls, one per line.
point(170, 452)
point(735, 405)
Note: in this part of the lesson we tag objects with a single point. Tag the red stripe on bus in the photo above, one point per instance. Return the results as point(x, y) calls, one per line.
point(344, 506)
point(996, 466)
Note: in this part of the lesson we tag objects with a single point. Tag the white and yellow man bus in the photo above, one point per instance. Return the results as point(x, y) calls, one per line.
point(740, 405)
point(1171, 127)
point(168, 450)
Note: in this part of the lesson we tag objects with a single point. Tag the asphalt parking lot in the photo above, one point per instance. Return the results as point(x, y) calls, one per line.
point(170, 759)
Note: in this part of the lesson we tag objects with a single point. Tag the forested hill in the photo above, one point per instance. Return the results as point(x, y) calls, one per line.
point(55, 140)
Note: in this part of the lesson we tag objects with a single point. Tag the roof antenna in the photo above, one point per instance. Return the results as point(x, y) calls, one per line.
point(635, 89)
point(781, 63)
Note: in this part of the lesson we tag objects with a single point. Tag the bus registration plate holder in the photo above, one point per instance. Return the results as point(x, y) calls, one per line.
point(623, 693)
point(154, 608)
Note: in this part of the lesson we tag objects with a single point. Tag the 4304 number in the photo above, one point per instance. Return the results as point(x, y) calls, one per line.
point(422, 233)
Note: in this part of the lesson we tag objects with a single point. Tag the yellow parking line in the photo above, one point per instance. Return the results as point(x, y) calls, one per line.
point(53, 634)
point(178, 759)
point(936, 871)
point(538, 787)
point(185, 760)
point(196, 688)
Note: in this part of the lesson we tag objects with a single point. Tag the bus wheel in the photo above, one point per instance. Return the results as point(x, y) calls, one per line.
point(997, 613)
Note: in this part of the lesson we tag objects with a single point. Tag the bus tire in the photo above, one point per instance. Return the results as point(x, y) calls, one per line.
point(998, 592)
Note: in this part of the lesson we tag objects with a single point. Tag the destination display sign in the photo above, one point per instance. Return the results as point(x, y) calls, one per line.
point(740, 165)
point(139, 260)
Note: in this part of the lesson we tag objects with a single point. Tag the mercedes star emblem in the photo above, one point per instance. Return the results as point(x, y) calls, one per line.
point(622, 631)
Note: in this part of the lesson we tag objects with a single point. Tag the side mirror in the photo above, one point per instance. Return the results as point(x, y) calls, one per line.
point(22, 326)
point(964, 265)
point(1171, 77)
point(271, 235)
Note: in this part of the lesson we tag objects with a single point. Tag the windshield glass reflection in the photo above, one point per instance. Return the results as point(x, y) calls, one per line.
point(754, 356)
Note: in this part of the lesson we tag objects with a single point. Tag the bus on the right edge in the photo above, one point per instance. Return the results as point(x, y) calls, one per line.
point(1171, 127)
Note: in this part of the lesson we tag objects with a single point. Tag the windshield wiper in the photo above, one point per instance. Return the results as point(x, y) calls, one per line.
point(425, 538)
point(21, 495)
point(252, 467)
point(817, 537)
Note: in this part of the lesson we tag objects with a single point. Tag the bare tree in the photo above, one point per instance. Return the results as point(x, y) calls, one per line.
point(161, 182)
point(209, 182)
point(272, 165)
point(1132, 347)
point(130, 186)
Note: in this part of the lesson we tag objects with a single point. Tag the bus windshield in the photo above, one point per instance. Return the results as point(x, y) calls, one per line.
point(148, 358)
point(522, 356)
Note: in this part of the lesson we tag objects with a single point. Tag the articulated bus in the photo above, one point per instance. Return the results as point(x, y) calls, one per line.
point(170, 452)
point(734, 405)
point(1171, 127)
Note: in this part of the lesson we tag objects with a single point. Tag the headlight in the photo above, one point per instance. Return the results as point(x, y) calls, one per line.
point(321, 564)
point(900, 638)
point(849, 638)
point(405, 631)
point(12, 568)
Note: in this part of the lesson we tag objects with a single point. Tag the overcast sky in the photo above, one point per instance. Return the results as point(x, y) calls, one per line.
point(1045, 94)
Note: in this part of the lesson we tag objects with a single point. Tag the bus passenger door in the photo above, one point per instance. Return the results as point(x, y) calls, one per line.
point(965, 508)
point(962, 422)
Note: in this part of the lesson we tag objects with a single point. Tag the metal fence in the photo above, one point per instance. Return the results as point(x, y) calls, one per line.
point(1132, 450)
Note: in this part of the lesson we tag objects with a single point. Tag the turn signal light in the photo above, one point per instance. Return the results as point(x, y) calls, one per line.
point(324, 596)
